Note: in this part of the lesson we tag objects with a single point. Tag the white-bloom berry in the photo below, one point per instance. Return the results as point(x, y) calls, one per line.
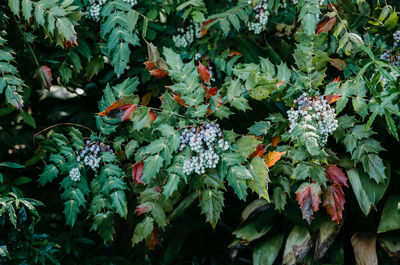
point(95, 7)
point(90, 155)
point(202, 141)
point(316, 112)
point(260, 20)
point(186, 35)
point(75, 174)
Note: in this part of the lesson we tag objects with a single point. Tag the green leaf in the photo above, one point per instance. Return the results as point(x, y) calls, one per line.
point(237, 176)
point(211, 203)
point(152, 165)
point(71, 211)
point(309, 170)
point(359, 192)
point(49, 173)
point(118, 202)
point(11, 165)
point(142, 230)
point(373, 165)
point(260, 128)
point(260, 182)
point(130, 148)
point(103, 224)
point(247, 145)
point(266, 252)
point(171, 185)
point(27, 9)
point(159, 215)
point(390, 218)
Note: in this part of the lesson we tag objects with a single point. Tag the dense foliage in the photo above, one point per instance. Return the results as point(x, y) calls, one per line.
point(199, 132)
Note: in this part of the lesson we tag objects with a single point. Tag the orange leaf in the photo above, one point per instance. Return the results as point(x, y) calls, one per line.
point(325, 25)
point(158, 73)
point(308, 197)
point(204, 73)
point(334, 202)
point(180, 101)
point(119, 109)
point(273, 157)
point(149, 65)
point(275, 141)
point(332, 98)
point(233, 52)
point(153, 115)
point(203, 29)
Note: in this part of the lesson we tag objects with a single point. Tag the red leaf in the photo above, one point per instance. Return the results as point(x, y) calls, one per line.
point(260, 150)
point(141, 209)
point(152, 240)
point(159, 73)
point(46, 80)
point(334, 202)
point(72, 42)
point(149, 65)
point(203, 29)
point(308, 197)
point(137, 172)
point(336, 175)
point(119, 109)
point(156, 189)
point(127, 111)
point(212, 91)
point(204, 73)
point(153, 115)
point(325, 25)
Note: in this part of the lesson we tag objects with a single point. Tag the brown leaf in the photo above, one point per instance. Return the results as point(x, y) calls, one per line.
point(46, 76)
point(145, 99)
point(326, 235)
point(336, 175)
point(260, 150)
point(180, 101)
point(275, 141)
point(273, 157)
point(337, 63)
point(137, 172)
point(152, 240)
point(204, 73)
point(308, 197)
point(364, 247)
point(334, 202)
point(325, 25)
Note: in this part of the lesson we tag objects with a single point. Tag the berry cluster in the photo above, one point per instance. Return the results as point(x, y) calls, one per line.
point(260, 20)
point(95, 6)
point(202, 140)
point(314, 111)
point(186, 35)
point(75, 174)
point(90, 155)
point(391, 55)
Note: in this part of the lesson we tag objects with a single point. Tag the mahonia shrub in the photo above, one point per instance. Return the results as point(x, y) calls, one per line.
point(274, 122)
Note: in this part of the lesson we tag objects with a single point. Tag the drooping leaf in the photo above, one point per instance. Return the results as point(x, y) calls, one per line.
point(336, 175)
point(137, 172)
point(297, 245)
point(308, 197)
point(334, 202)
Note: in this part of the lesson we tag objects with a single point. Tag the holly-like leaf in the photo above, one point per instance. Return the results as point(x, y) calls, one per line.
point(336, 175)
point(118, 201)
point(49, 173)
point(308, 197)
point(247, 145)
point(152, 166)
point(273, 157)
point(203, 73)
point(334, 202)
point(103, 224)
point(71, 211)
point(211, 203)
point(142, 230)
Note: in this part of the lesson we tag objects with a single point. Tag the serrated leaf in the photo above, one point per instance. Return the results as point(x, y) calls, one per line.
point(152, 165)
point(142, 230)
point(71, 210)
point(211, 203)
point(118, 202)
point(49, 173)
